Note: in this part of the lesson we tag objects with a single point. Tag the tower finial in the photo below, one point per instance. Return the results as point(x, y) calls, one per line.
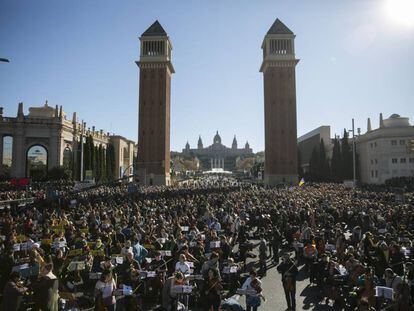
point(369, 129)
point(20, 111)
point(381, 120)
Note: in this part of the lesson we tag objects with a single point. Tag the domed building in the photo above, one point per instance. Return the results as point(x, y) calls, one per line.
point(217, 155)
point(386, 152)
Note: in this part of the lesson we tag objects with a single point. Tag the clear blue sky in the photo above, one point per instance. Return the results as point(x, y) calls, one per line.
point(356, 61)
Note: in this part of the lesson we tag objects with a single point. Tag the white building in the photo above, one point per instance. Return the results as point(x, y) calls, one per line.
point(386, 152)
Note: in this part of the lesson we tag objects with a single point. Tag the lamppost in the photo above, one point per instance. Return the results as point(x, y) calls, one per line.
point(353, 152)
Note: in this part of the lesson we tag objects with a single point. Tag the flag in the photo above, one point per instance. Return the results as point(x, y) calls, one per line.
point(302, 182)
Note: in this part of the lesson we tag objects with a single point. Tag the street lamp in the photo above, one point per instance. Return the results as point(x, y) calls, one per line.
point(4, 60)
point(353, 152)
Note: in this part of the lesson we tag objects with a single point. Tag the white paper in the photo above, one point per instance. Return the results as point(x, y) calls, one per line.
point(126, 290)
point(119, 260)
point(150, 274)
point(386, 292)
point(215, 244)
point(16, 247)
point(184, 228)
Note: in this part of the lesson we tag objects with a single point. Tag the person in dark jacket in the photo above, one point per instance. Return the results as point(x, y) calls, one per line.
point(46, 293)
point(13, 293)
point(289, 272)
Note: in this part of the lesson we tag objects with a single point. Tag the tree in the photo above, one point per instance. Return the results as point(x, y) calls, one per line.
point(110, 162)
point(102, 166)
point(323, 162)
point(346, 157)
point(314, 165)
point(336, 162)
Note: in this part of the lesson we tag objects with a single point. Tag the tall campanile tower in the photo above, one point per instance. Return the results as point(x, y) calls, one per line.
point(155, 66)
point(278, 69)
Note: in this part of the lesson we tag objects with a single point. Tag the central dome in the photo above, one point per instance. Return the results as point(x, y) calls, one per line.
point(217, 138)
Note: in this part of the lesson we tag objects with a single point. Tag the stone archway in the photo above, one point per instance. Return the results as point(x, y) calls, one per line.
point(37, 162)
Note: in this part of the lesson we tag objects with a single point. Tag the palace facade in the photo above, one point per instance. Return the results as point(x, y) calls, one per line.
point(217, 155)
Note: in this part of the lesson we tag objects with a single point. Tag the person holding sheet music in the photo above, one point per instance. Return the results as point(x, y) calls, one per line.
point(289, 272)
point(392, 280)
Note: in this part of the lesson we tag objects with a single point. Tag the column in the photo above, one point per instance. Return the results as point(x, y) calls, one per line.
point(1, 148)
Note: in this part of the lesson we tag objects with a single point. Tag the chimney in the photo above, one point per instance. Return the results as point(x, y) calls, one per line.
point(56, 111)
point(381, 121)
point(60, 112)
point(369, 128)
point(93, 129)
point(74, 118)
point(1, 111)
point(20, 111)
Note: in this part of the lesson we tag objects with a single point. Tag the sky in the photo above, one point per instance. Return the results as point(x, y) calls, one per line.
point(356, 60)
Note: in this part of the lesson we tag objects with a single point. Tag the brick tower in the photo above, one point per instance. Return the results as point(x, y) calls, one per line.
point(278, 69)
point(153, 166)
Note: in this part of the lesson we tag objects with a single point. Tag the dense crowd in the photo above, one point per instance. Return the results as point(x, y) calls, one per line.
point(122, 247)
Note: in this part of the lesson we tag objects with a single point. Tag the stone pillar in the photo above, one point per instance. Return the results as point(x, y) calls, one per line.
point(1, 148)
point(18, 155)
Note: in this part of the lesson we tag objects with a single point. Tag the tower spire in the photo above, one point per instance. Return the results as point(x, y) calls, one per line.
point(20, 114)
point(199, 143)
point(381, 122)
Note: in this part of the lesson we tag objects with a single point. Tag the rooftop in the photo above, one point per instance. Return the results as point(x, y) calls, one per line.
point(278, 28)
point(154, 30)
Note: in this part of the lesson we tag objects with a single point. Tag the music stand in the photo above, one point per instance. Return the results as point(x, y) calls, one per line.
point(182, 291)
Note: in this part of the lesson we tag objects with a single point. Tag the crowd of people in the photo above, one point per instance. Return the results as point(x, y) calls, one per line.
point(118, 247)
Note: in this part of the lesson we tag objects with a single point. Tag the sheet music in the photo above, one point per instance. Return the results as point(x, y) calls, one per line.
point(386, 292)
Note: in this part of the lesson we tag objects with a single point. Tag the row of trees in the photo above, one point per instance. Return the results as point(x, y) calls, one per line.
point(97, 159)
point(338, 168)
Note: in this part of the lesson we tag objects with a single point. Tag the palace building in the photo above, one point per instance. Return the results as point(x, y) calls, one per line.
point(44, 139)
point(217, 156)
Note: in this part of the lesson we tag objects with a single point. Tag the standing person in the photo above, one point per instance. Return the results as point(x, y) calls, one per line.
point(253, 287)
point(262, 256)
point(212, 291)
point(46, 292)
point(276, 242)
point(289, 272)
point(13, 293)
point(104, 292)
